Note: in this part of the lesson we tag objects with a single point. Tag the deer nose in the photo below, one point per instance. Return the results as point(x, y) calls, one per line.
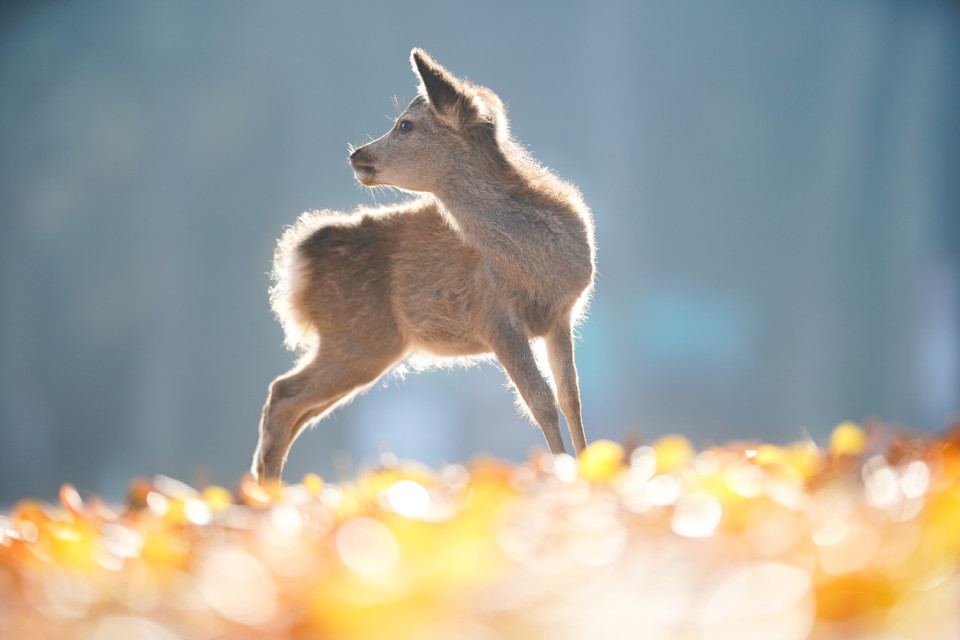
point(357, 159)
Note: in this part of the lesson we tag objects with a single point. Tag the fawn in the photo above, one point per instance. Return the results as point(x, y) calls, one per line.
point(494, 252)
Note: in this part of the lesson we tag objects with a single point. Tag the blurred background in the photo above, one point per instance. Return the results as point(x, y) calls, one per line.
point(776, 189)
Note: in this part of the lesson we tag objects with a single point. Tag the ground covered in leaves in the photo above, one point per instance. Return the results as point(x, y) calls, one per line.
point(856, 538)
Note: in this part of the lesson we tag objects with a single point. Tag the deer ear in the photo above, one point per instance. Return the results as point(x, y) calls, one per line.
point(440, 88)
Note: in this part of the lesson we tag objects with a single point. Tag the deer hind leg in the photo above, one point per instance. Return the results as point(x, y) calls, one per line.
point(559, 343)
point(302, 395)
point(512, 349)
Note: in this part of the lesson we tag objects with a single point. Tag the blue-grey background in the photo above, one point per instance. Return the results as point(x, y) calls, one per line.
point(776, 189)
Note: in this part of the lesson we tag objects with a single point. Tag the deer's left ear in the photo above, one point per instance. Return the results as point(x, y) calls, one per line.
point(442, 90)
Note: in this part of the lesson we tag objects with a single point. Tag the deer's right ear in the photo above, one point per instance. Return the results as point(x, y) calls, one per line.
point(441, 89)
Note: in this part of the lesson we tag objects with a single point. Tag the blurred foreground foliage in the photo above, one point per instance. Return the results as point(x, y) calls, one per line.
point(857, 538)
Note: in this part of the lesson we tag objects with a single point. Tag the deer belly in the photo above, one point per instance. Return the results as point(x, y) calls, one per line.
point(440, 323)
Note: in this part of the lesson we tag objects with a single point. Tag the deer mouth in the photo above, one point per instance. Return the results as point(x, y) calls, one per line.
point(364, 171)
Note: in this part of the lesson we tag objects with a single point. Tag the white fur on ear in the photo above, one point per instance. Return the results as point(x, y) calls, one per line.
point(479, 107)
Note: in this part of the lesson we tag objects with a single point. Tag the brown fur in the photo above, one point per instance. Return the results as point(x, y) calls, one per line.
point(495, 252)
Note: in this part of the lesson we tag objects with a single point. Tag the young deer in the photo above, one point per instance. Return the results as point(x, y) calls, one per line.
point(496, 251)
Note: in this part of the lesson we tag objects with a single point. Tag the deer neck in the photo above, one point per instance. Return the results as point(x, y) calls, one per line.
point(487, 217)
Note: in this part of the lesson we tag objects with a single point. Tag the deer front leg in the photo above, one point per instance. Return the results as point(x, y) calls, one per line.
point(559, 342)
point(512, 348)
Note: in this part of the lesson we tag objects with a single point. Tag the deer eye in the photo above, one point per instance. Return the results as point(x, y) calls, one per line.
point(405, 126)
